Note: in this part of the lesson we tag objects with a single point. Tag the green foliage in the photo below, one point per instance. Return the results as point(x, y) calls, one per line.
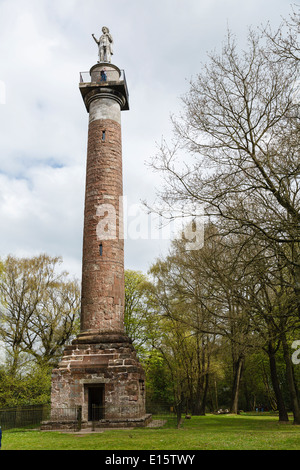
point(158, 380)
point(39, 310)
point(39, 314)
point(135, 307)
point(31, 389)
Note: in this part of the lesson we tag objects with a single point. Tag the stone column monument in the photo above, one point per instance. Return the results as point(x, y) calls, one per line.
point(99, 372)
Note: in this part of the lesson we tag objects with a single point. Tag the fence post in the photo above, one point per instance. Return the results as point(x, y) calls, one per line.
point(79, 417)
point(93, 416)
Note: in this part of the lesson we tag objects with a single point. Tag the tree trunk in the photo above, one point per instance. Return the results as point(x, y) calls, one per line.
point(234, 408)
point(216, 395)
point(283, 416)
point(197, 401)
point(203, 402)
point(196, 409)
point(179, 413)
point(290, 380)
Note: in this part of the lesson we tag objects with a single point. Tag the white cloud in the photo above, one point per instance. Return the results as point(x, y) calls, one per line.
point(44, 44)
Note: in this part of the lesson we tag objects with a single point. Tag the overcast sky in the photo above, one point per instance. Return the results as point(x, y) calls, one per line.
point(44, 44)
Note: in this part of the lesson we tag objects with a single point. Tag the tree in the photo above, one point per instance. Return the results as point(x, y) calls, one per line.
point(30, 389)
point(135, 311)
point(270, 306)
point(188, 329)
point(55, 323)
point(39, 309)
point(240, 131)
point(284, 42)
point(236, 153)
point(226, 295)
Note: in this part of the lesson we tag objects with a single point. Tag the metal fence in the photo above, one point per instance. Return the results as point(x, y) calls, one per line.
point(23, 417)
point(102, 76)
point(33, 416)
point(65, 418)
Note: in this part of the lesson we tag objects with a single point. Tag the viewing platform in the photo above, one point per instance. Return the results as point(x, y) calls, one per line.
point(106, 76)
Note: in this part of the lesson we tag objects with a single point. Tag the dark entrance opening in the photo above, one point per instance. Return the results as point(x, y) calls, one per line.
point(96, 402)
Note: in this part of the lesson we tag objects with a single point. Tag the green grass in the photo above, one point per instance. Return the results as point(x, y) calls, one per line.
point(224, 432)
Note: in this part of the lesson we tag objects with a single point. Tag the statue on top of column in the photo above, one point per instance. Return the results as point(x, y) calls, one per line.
point(105, 44)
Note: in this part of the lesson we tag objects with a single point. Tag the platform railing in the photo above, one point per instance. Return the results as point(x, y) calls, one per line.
point(100, 76)
point(103, 77)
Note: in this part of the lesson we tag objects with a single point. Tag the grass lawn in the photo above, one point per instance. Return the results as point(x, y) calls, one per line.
point(223, 432)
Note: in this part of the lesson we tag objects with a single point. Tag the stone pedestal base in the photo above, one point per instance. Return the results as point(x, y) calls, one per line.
point(101, 376)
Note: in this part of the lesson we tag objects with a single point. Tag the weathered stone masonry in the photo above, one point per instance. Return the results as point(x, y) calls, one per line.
point(103, 276)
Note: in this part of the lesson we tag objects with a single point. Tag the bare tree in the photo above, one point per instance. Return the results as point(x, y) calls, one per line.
point(284, 42)
point(236, 150)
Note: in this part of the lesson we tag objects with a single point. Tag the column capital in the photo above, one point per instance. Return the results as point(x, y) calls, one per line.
point(101, 93)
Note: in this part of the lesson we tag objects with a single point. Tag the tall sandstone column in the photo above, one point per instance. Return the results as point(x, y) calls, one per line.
point(103, 245)
point(99, 372)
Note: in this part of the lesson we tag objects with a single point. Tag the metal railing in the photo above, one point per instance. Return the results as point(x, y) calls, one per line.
point(70, 419)
point(102, 77)
point(64, 414)
point(23, 417)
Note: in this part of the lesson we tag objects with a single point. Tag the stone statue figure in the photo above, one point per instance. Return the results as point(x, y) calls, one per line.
point(105, 44)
